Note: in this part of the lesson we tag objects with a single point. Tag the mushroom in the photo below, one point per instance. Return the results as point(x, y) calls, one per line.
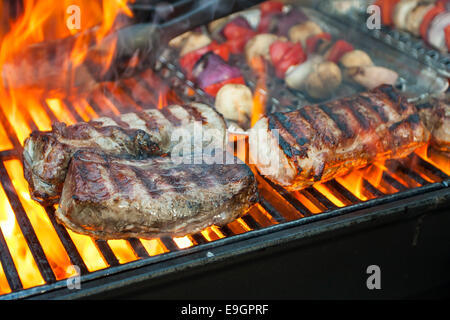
point(325, 78)
point(373, 76)
point(259, 45)
point(235, 102)
point(194, 41)
point(178, 41)
point(355, 58)
point(296, 75)
point(415, 17)
point(401, 11)
point(301, 32)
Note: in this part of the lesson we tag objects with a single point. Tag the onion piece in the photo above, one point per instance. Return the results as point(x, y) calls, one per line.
point(212, 69)
point(373, 76)
point(436, 35)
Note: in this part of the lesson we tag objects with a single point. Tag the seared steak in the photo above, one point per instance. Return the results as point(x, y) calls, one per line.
point(435, 114)
point(318, 143)
point(109, 198)
point(47, 154)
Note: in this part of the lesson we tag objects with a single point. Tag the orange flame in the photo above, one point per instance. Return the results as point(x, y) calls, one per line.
point(162, 100)
point(260, 94)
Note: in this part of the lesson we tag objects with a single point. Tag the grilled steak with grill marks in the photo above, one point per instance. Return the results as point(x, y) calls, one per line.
point(47, 154)
point(109, 198)
point(324, 141)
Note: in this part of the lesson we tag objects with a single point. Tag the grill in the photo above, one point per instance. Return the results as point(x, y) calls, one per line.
point(39, 258)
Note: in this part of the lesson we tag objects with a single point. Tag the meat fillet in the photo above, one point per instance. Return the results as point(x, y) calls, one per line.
point(435, 115)
point(109, 198)
point(47, 154)
point(320, 142)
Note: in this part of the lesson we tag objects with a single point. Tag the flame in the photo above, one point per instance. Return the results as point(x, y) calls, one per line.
point(20, 253)
point(4, 286)
point(40, 53)
point(354, 180)
point(56, 254)
point(260, 94)
point(434, 157)
point(162, 99)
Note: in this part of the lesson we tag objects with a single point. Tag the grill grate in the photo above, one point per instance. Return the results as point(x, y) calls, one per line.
point(276, 207)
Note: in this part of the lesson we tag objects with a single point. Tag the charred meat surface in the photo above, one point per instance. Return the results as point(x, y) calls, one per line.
point(435, 115)
point(46, 155)
point(321, 142)
point(109, 198)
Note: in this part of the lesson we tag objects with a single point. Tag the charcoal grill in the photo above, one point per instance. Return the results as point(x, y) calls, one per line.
point(314, 243)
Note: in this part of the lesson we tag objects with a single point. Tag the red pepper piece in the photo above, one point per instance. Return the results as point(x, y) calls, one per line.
point(214, 88)
point(387, 10)
point(313, 41)
point(270, 7)
point(340, 48)
point(285, 54)
point(237, 37)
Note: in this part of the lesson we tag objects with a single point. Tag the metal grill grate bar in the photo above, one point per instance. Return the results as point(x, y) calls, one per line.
point(107, 252)
point(26, 227)
point(138, 248)
point(12, 276)
point(67, 242)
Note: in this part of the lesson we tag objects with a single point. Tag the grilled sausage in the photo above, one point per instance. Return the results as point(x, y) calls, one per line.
point(47, 154)
point(111, 198)
point(318, 143)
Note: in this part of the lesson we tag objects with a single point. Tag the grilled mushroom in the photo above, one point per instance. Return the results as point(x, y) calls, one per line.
point(296, 75)
point(324, 80)
point(235, 102)
point(301, 32)
point(194, 41)
point(401, 12)
point(355, 58)
point(259, 45)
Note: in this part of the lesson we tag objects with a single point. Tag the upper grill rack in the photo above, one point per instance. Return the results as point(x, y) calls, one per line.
point(398, 39)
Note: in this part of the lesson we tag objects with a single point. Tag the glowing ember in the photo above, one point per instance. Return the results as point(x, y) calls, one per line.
point(122, 250)
point(183, 242)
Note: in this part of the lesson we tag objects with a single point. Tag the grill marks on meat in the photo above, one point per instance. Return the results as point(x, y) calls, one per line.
point(107, 197)
point(324, 141)
point(138, 135)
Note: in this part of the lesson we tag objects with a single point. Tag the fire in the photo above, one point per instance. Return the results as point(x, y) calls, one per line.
point(260, 94)
point(435, 158)
point(40, 53)
point(162, 100)
point(354, 180)
point(21, 255)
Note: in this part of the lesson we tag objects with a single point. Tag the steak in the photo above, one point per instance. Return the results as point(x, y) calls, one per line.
point(435, 115)
point(151, 132)
point(108, 197)
point(318, 143)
